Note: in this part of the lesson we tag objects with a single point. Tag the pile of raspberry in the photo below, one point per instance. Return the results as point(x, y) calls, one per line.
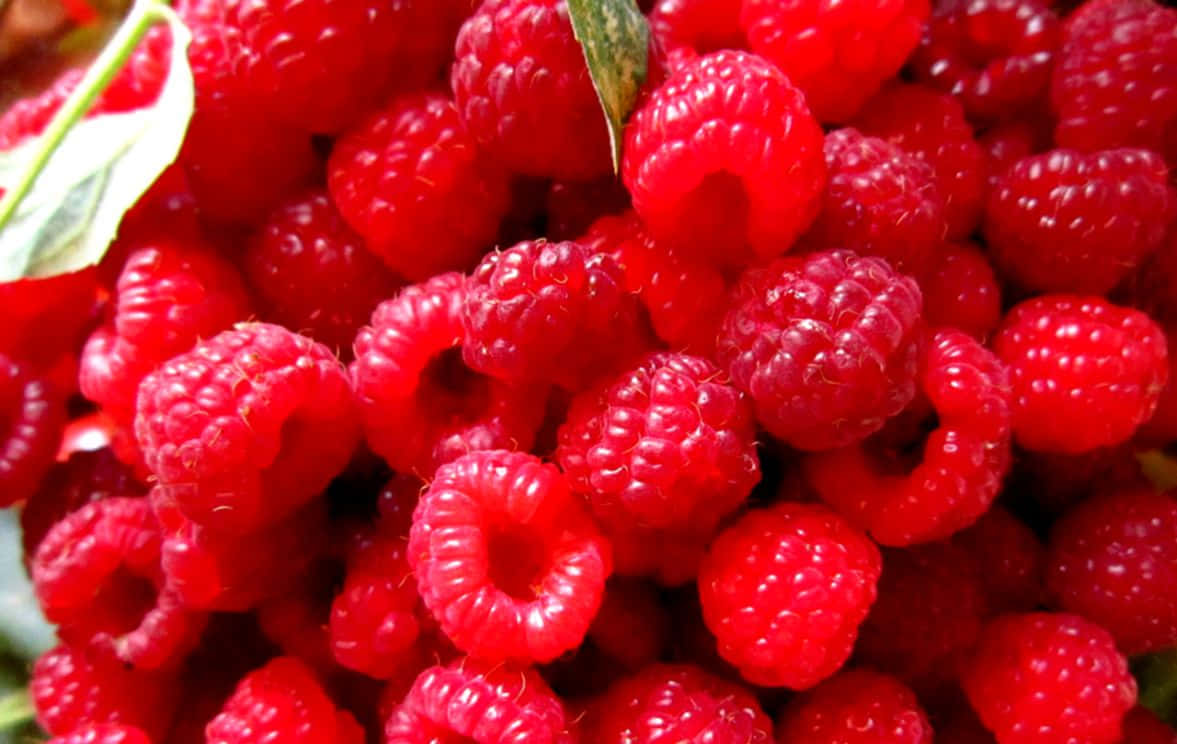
point(393, 416)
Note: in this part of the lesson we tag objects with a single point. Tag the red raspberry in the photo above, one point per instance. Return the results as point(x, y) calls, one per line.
point(880, 201)
point(1161, 429)
point(679, 703)
point(1085, 373)
point(839, 54)
point(312, 273)
point(1141, 726)
point(30, 427)
point(632, 626)
point(573, 206)
point(1063, 221)
point(670, 558)
point(668, 445)
point(475, 701)
point(1112, 560)
point(995, 56)
point(1050, 679)
point(965, 458)
point(45, 319)
point(962, 292)
point(524, 93)
point(1011, 558)
point(784, 591)
point(857, 706)
point(247, 426)
point(1113, 82)
point(549, 312)
point(295, 621)
point(1056, 482)
point(826, 345)
point(103, 733)
point(932, 126)
point(724, 160)
point(702, 26)
point(1008, 142)
point(506, 558)
point(413, 183)
point(421, 406)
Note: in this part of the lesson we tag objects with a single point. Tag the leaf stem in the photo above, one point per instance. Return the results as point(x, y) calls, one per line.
point(143, 15)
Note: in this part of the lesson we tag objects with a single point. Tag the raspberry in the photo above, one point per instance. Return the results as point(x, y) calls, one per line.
point(784, 591)
point(702, 26)
point(839, 55)
point(1113, 81)
point(668, 444)
point(965, 458)
point(856, 707)
point(724, 160)
point(995, 56)
point(1161, 429)
point(421, 406)
point(680, 703)
point(1011, 141)
point(1085, 373)
point(1141, 726)
point(573, 206)
point(1056, 482)
point(30, 426)
point(1048, 678)
point(631, 627)
point(1011, 558)
point(506, 558)
point(826, 345)
point(1063, 221)
point(932, 126)
point(413, 183)
point(46, 318)
point(103, 733)
point(880, 201)
point(475, 701)
point(962, 292)
point(247, 426)
point(549, 312)
point(295, 621)
point(524, 93)
point(1111, 560)
point(312, 273)
point(670, 558)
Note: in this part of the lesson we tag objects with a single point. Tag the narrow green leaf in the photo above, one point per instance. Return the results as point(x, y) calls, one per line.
point(615, 38)
point(16, 708)
point(1156, 675)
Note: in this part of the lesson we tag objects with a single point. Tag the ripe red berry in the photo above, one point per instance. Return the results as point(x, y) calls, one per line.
point(1141, 726)
point(962, 292)
point(30, 426)
point(701, 26)
point(857, 706)
point(1011, 558)
point(670, 558)
point(103, 733)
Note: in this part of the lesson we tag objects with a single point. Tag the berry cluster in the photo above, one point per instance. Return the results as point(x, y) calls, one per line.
point(392, 417)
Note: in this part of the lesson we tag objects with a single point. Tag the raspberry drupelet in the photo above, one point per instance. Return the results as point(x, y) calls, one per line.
point(507, 559)
point(961, 291)
point(857, 706)
point(247, 426)
point(702, 26)
point(826, 345)
point(31, 421)
point(784, 590)
point(103, 733)
point(724, 160)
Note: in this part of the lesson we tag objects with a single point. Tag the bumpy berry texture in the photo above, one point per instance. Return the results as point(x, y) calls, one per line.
point(724, 160)
point(839, 55)
point(549, 312)
point(247, 426)
point(506, 558)
point(858, 706)
point(827, 346)
point(414, 184)
point(784, 591)
point(420, 404)
point(1111, 559)
point(31, 423)
point(961, 292)
point(1049, 678)
point(103, 733)
point(523, 90)
point(1085, 373)
point(1063, 221)
point(701, 26)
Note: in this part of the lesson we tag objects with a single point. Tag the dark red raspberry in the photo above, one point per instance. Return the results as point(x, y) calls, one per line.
point(679, 703)
point(1011, 558)
point(784, 591)
point(103, 733)
point(632, 626)
point(995, 56)
point(1056, 482)
point(724, 160)
point(421, 406)
point(962, 292)
point(932, 126)
point(1161, 429)
point(573, 206)
point(31, 419)
point(46, 319)
point(965, 458)
point(1063, 221)
point(550, 312)
point(669, 444)
point(1050, 679)
point(1085, 372)
point(701, 26)
point(857, 706)
point(880, 201)
point(247, 426)
point(524, 93)
point(839, 55)
point(1141, 726)
point(414, 184)
point(670, 558)
point(475, 701)
point(295, 621)
point(507, 559)
point(1008, 142)
point(826, 345)
point(1113, 82)
point(1112, 559)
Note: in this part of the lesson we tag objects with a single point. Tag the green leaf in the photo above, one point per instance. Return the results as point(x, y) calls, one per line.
point(24, 633)
point(1156, 675)
point(1159, 468)
point(615, 39)
point(98, 171)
